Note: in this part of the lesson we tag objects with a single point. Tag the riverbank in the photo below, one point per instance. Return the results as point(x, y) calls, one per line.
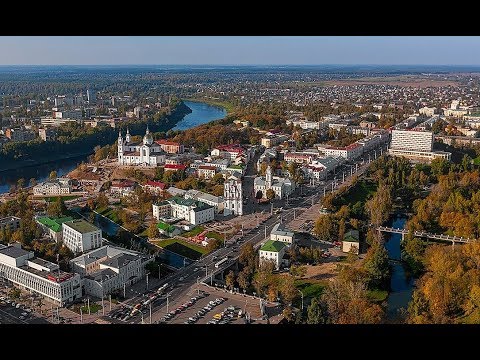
point(229, 107)
point(37, 153)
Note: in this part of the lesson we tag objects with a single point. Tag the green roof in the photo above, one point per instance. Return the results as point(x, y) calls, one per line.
point(273, 246)
point(181, 201)
point(236, 167)
point(54, 224)
point(81, 226)
point(165, 227)
point(352, 236)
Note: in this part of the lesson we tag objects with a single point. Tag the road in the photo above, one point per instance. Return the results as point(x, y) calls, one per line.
point(202, 270)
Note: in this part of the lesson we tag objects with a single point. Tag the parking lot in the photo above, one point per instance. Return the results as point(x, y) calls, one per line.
point(212, 306)
point(13, 313)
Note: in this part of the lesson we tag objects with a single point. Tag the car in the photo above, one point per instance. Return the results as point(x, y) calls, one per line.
point(21, 317)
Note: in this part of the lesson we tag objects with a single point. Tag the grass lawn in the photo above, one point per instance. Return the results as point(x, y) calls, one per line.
point(65, 198)
point(194, 232)
point(181, 247)
point(360, 192)
point(310, 287)
point(377, 295)
point(476, 161)
point(110, 213)
point(215, 235)
point(93, 308)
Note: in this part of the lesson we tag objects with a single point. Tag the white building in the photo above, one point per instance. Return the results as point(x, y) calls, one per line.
point(281, 233)
point(428, 111)
point(206, 171)
point(42, 277)
point(273, 251)
point(109, 268)
point(415, 145)
point(282, 186)
point(320, 168)
point(81, 236)
point(412, 140)
point(195, 212)
point(147, 153)
point(60, 186)
point(233, 195)
point(350, 152)
point(351, 242)
point(216, 201)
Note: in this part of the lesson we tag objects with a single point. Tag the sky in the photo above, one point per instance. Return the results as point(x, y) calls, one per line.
point(240, 50)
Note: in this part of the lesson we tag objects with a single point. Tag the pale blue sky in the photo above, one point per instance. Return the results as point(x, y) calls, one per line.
point(268, 50)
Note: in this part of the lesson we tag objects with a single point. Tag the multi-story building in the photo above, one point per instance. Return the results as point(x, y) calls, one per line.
point(19, 134)
point(68, 114)
point(47, 134)
point(272, 140)
point(81, 236)
point(91, 96)
point(156, 187)
point(59, 186)
point(350, 152)
point(122, 188)
point(281, 233)
point(145, 153)
point(415, 145)
point(281, 186)
point(170, 147)
point(109, 268)
point(233, 195)
point(52, 227)
point(51, 121)
point(195, 212)
point(320, 168)
point(273, 251)
point(428, 111)
point(206, 171)
point(216, 201)
point(11, 223)
point(39, 276)
point(299, 158)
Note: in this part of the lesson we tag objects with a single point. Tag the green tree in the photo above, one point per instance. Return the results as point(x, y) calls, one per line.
point(230, 279)
point(20, 183)
point(315, 313)
point(288, 289)
point(377, 266)
point(325, 228)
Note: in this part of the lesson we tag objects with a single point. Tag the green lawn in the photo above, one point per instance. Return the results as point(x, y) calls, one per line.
point(194, 232)
point(65, 198)
point(362, 190)
point(181, 247)
point(476, 161)
point(93, 308)
point(215, 235)
point(377, 295)
point(110, 213)
point(310, 287)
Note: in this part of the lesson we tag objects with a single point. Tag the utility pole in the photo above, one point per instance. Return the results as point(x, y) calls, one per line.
point(324, 191)
point(147, 278)
point(150, 313)
point(168, 295)
point(124, 287)
point(110, 300)
point(265, 231)
point(81, 315)
point(88, 302)
point(343, 178)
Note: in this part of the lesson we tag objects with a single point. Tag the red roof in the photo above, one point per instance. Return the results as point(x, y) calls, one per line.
point(167, 142)
point(175, 167)
point(123, 184)
point(158, 184)
point(207, 167)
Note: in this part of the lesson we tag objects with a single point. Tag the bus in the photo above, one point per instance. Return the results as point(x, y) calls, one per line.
point(225, 259)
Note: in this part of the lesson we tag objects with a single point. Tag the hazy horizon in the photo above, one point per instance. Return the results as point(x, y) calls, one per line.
point(239, 50)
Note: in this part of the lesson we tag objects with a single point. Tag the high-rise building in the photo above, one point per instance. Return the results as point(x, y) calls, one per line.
point(91, 96)
point(412, 140)
point(80, 236)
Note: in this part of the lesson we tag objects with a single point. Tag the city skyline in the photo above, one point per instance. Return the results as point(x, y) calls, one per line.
point(239, 50)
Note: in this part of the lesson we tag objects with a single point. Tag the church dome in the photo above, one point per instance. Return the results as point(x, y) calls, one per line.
point(148, 138)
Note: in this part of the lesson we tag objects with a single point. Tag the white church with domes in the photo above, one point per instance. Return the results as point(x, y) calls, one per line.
point(146, 153)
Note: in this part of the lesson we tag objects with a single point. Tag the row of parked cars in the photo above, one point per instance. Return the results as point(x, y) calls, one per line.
point(184, 306)
point(4, 301)
point(200, 313)
point(226, 316)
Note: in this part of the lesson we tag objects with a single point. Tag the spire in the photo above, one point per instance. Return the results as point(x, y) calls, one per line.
point(120, 133)
point(127, 137)
point(128, 131)
point(148, 131)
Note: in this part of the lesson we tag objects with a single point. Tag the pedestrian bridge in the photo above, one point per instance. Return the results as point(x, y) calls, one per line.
point(424, 234)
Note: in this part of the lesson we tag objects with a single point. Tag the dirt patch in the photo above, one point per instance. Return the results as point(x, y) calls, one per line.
point(321, 272)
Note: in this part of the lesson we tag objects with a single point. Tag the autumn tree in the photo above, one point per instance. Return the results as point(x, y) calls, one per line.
point(325, 228)
point(230, 280)
point(270, 193)
point(152, 230)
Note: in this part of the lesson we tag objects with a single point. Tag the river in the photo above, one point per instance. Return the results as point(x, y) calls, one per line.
point(201, 114)
point(401, 287)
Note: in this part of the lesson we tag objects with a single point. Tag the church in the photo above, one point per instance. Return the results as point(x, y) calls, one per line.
point(281, 186)
point(233, 196)
point(146, 153)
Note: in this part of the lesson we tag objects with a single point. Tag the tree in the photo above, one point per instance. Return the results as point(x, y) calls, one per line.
point(243, 279)
point(32, 182)
point(54, 209)
point(315, 312)
point(377, 266)
point(20, 183)
point(380, 205)
point(53, 175)
point(325, 228)
point(270, 193)
point(230, 279)
point(288, 289)
point(213, 244)
point(152, 230)
point(102, 200)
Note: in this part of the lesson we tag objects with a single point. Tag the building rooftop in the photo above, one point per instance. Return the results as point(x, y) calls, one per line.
point(81, 226)
point(120, 260)
point(13, 251)
point(279, 229)
point(352, 236)
point(102, 275)
point(54, 224)
point(273, 246)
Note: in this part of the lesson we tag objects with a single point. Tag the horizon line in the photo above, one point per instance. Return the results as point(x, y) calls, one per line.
point(273, 65)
